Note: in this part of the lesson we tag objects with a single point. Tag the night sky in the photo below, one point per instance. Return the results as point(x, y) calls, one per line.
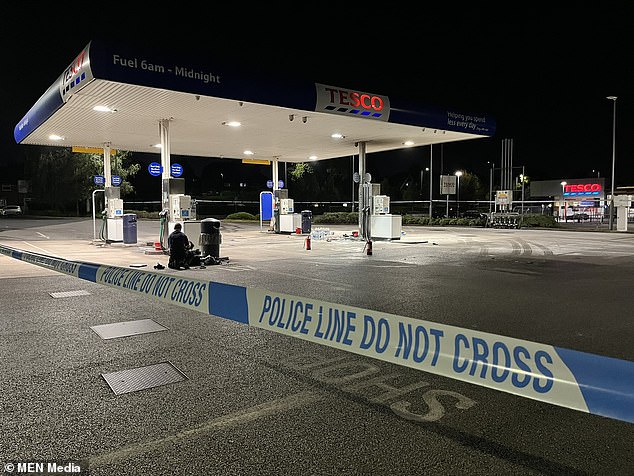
point(542, 74)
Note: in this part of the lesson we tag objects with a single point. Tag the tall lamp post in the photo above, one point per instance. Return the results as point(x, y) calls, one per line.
point(523, 178)
point(562, 214)
point(458, 174)
point(613, 99)
point(491, 185)
point(422, 182)
point(422, 179)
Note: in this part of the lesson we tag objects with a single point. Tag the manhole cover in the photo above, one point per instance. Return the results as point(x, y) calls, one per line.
point(127, 328)
point(141, 378)
point(65, 294)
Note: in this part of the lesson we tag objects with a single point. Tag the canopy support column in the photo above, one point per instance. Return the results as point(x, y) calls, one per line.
point(164, 135)
point(364, 199)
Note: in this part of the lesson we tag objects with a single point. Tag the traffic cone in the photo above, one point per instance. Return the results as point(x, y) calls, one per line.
point(308, 242)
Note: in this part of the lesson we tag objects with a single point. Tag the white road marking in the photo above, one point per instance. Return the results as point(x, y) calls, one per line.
point(233, 419)
point(32, 245)
point(43, 235)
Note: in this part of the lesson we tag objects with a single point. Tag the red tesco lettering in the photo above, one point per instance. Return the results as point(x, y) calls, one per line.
point(582, 187)
point(355, 99)
point(75, 67)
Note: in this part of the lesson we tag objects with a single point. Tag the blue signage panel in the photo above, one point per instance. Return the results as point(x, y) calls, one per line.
point(155, 169)
point(116, 180)
point(176, 170)
point(266, 205)
point(99, 179)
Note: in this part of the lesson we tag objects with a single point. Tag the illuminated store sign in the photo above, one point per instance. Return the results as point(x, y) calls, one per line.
point(343, 101)
point(76, 76)
point(582, 189)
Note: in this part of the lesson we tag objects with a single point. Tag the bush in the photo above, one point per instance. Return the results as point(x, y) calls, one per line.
point(337, 218)
point(352, 218)
point(241, 216)
point(415, 220)
point(542, 221)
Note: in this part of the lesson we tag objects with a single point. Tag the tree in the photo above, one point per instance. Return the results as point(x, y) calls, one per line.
point(471, 187)
point(63, 180)
point(123, 165)
point(299, 170)
point(304, 180)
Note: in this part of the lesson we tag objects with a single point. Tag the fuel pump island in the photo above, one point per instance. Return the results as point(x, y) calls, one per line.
point(112, 215)
point(180, 209)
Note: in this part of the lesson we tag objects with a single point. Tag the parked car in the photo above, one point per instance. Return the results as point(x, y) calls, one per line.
point(11, 210)
point(580, 216)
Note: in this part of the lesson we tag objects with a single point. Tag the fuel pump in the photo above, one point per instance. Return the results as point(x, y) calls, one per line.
point(381, 205)
point(383, 224)
point(114, 215)
point(179, 207)
point(180, 210)
point(286, 220)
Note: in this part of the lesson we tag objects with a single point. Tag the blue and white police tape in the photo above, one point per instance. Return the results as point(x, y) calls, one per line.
point(577, 380)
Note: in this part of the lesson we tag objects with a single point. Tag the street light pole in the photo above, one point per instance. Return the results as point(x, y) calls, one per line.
point(458, 174)
point(491, 185)
point(523, 176)
point(431, 174)
point(422, 184)
point(427, 169)
point(563, 202)
point(613, 99)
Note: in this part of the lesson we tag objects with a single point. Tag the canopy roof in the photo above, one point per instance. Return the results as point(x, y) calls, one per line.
point(283, 118)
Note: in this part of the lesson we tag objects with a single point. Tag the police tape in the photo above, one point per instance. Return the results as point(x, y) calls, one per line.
point(576, 380)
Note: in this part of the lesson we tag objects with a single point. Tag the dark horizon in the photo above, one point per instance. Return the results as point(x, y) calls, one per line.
point(543, 78)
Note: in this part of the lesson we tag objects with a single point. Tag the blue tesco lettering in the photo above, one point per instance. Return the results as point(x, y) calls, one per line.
point(476, 357)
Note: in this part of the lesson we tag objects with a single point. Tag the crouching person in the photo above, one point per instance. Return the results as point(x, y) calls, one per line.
point(179, 248)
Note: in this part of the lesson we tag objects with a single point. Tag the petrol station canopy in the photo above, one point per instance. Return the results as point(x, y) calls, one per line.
point(117, 94)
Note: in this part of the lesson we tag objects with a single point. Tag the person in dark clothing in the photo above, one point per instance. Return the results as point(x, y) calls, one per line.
point(179, 248)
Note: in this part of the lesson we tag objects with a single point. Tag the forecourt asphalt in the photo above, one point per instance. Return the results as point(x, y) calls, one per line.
point(257, 402)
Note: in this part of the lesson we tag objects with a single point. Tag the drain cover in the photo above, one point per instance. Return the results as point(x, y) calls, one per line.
point(64, 294)
point(128, 328)
point(141, 378)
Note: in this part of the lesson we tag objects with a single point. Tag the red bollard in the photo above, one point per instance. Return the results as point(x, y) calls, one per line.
point(308, 242)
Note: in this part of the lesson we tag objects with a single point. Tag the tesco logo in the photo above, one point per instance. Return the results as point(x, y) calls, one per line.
point(582, 187)
point(366, 101)
point(75, 67)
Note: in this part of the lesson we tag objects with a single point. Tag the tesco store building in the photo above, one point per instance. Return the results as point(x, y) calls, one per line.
point(576, 196)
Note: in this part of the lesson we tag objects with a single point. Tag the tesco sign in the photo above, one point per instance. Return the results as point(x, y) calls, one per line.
point(355, 99)
point(351, 102)
point(582, 189)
